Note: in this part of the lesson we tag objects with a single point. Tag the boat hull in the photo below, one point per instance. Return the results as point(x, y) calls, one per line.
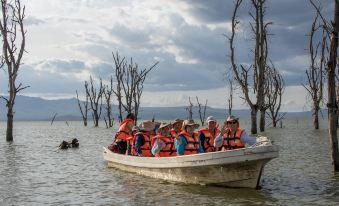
point(236, 168)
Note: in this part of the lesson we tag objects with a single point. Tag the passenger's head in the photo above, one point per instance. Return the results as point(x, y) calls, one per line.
point(211, 122)
point(135, 129)
point(164, 129)
point(189, 126)
point(130, 116)
point(177, 124)
point(232, 122)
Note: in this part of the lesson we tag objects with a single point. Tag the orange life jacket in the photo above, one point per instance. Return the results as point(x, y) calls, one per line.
point(145, 148)
point(192, 143)
point(122, 133)
point(169, 149)
point(234, 142)
point(174, 133)
point(209, 139)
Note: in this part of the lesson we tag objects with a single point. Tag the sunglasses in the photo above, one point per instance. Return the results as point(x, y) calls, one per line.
point(232, 122)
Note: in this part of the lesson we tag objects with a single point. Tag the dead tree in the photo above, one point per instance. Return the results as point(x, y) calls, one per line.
point(276, 88)
point(315, 73)
point(83, 105)
point(95, 98)
point(130, 80)
point(202, 111)
point(13, 37)
point(256, 71)
point(189, 109)
point(230, 97)
point(332, 105)
point(108, 92)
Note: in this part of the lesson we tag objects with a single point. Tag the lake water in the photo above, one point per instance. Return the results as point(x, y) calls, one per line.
point(34, 172)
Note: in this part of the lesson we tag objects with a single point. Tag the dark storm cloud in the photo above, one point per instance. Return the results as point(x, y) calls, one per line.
point(212, 11)
point(291, 24)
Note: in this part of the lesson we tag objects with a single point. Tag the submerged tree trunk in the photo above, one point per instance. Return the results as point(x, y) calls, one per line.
point(13, 37)
point(332, 104)
point(254, 112)
point(262, 120)
point(9, 132)
point(316, 119)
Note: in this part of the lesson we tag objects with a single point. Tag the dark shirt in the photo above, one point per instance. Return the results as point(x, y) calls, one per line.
point(139, 141)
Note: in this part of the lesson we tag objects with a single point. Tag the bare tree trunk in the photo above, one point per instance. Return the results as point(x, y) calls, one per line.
point(257, 70)
point(190, 109)
point(316, 119)
point(130, 82)
point(9, 132)
point(331, 81)
point(332, 104)
point(13, 46)
point(262, 120)
point(254, 112)
point(108, 91)
point(230, 99)
point(202, 111)
point(95, 98)
point(83, 111)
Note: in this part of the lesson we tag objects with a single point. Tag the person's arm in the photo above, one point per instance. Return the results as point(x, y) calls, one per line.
point(245, 138)
point(201, 139)
point(139, 141)
point(180, 145)
point(218, 140)
point(158, 146)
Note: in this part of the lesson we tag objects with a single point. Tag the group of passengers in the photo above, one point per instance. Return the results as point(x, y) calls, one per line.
point(179, 138)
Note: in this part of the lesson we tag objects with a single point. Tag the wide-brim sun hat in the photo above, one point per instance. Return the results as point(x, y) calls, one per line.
point(135, 129)
point(178, 121)
point(211, 119)
point(164, 124)
point(147, 126)
point(189, 123)
point(231, 118)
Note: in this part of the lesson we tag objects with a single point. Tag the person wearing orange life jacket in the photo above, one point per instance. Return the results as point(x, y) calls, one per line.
point(232, 136)
point(124, 132)
point(142, 140)
point(207, 135)
point(176, 128)
point(130, 140)
point(187, 142)
point(163, 143)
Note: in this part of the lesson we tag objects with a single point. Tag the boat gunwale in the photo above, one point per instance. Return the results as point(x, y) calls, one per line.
point(259, 153)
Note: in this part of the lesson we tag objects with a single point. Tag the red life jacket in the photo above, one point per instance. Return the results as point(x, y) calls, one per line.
point(122, 133)
point(234, 142)
point(169, 149)
point(146, 147)
point(209, 139)
point(192, 143)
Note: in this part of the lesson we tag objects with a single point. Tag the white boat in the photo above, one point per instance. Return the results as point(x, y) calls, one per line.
point(234, 168)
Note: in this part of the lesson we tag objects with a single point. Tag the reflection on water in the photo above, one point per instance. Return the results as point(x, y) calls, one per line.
point(34, 172)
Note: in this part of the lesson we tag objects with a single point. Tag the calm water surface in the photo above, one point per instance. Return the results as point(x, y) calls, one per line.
point(34, 172)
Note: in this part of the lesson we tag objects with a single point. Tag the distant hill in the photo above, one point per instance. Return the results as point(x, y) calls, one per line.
point(34, 108)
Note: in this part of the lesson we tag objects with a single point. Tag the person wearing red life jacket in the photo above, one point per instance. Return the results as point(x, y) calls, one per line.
point(163, 143)
point(207, 135)
point(232, 136)
point(176, 128)
point(187, 142)
point(124, 132)
point(142, 140)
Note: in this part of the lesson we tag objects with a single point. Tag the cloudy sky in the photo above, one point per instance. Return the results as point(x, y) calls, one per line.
point(69, 40)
